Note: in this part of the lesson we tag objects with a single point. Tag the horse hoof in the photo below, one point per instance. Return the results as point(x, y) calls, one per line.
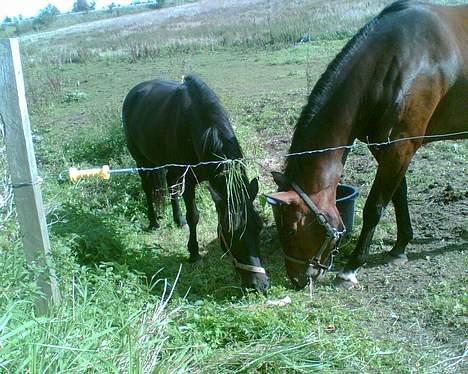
point(400, 259)
point(344, 284)
point(345, 280)
point(195, 259)
point(152, 227)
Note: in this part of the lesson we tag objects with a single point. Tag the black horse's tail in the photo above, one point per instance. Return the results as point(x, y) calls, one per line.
point(160, 189)
point(154, 181)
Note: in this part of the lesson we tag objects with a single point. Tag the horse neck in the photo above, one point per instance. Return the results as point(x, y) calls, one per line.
point(321, 170)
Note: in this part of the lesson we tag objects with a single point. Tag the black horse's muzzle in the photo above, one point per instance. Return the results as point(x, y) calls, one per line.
point(253, 278)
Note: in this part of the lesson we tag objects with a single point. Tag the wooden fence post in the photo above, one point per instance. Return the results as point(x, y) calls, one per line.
point(23, 170)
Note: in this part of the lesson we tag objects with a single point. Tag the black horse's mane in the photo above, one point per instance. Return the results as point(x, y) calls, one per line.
point(219, 139)
point(322, 88)
point(219, 142)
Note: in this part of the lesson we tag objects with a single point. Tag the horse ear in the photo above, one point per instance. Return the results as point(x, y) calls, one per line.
point(253, 189)
point(283, 198)
point(280, 180)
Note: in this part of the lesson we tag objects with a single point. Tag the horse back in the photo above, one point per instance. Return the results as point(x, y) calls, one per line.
point(451, 114)
point(151, 113)
point(418, 84)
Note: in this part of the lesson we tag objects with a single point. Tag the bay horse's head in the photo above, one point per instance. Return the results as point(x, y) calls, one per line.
point(239, 233)
point(309, 228)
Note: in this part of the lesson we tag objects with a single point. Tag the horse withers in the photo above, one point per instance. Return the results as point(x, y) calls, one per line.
point(404, 75)
point(167, 122)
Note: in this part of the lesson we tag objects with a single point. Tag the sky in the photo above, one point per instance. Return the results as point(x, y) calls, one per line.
point(29, 8)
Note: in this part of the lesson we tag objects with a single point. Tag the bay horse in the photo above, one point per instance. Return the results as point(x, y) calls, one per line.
point(403, 75)
point(167, 122)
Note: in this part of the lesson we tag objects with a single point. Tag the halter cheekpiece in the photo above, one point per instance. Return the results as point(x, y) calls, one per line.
point(332, 234)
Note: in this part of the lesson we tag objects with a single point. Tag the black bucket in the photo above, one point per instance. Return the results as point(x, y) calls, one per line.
point(345, 202)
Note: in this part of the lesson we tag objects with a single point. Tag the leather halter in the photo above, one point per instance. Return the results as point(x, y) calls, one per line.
point(332, 234)
point(237, 264)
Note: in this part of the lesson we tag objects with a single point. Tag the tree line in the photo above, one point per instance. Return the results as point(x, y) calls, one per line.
point(48, 14)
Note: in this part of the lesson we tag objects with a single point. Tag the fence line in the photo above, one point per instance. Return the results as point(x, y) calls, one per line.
point(257, 159)
point(293, 154)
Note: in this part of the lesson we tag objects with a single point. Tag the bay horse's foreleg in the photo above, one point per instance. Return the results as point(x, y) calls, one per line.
point(148, 185)
point(177, 215)
point(192, 219)
point(404, 229)
point(393, 163)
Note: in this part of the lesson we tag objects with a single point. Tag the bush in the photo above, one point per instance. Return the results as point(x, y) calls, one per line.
point(156, 5)
point(46, 16)
point(83, 6)
point(23, 27)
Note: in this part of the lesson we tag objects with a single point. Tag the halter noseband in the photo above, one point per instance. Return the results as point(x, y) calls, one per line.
point(237, 264)
point(332, 234)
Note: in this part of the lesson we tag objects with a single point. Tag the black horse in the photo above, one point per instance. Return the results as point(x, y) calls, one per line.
point(166, 122)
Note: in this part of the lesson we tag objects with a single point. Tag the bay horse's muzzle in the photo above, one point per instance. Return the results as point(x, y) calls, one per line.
point(303, 279)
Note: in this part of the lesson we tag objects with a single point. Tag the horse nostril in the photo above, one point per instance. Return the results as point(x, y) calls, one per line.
point(261, 284)
point(300, 282)
point(313, 273)
point(258, 283)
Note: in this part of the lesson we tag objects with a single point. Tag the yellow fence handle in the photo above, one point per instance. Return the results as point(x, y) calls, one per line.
point(103, 172)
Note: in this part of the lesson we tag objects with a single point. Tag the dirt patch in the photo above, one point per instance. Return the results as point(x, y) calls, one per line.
point(418, 303)
point(408, 297)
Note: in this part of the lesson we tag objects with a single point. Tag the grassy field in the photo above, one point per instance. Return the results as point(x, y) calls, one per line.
point(38, 24)
point(131, 302)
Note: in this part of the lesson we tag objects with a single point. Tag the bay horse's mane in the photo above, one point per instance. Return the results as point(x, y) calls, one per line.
point(322, 88)
point(219, 138)
point(305, 128)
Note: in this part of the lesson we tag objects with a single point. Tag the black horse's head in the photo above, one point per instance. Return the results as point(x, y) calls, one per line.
point(239, 233)
point(239, 224)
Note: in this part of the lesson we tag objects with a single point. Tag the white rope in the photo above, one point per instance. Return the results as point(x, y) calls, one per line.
point(293, 154)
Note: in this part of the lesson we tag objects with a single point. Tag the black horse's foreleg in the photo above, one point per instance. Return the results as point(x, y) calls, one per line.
point(192, 220)
point(147, 183)
point(177, 215)
point(404, 229)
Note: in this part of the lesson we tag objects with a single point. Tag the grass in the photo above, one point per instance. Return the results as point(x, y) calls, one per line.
point(127, 308)
point(89, 332)
point(271, 23)
point(51, 23)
